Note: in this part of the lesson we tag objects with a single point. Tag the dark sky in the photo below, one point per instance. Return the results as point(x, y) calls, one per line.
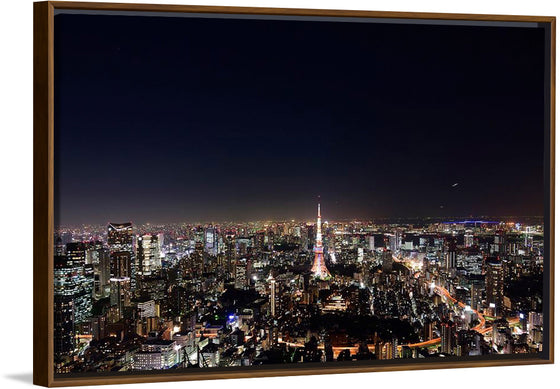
point(181, 119)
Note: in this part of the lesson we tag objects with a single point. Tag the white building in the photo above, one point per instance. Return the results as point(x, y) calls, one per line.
point(149, 258)
point(156, 355)
point(147, 309)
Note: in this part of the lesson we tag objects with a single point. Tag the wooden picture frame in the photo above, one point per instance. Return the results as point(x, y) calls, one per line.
point(44, 197)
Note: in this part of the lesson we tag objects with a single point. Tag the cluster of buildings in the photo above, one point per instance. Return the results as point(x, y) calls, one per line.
point(143, 297)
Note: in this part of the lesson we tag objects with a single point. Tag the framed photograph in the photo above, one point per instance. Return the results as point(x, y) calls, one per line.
point(225, 192)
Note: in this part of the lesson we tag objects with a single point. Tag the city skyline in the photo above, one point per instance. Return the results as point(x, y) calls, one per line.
point(233, 192)
point(462, 219)
point(432, 121)
point(180, 296)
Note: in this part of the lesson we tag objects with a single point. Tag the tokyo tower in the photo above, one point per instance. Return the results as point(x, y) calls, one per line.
point(319, 268)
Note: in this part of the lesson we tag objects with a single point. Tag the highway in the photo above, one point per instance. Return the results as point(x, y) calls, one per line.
point(480, 328)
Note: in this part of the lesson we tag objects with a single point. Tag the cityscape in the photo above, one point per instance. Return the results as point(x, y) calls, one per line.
point(189, 154)
point(153, 297)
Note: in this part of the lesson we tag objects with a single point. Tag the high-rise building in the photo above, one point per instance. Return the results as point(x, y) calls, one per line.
point(76, 252)
point(450, 255)
point(148, 254)
point(120, 294)
point(469, 238)
point(97, 327)
point(528, 238)
point(210, 241)
point(63, 336)
point(273, 302)
point(197, 260)
point(121, 264)
point(371, 241)
point(160, 241)
point(91, 251)
point(499, 245)
point(495, 285)
point(398, 239)
point(535, 320)
point(72, 302)
point(84, 277)
point(230, 255)
point(240, 275)
point(428, 332)
point(500, 332)
point(120, 238)
point(319, 268)
point(391, 244)
point(101, 262)
point(448, 337)
point(260, 238)
point(387, 260)
point(71, 279)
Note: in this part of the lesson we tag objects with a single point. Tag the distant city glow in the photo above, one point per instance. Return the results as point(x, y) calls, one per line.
point(213, 279)
point(197, 160)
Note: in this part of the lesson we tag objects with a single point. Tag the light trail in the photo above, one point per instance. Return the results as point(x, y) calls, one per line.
point(480, 328)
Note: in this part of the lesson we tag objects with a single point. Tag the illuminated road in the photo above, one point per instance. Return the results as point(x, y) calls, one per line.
point(480, 327)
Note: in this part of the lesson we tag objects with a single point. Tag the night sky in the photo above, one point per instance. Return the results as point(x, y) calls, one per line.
point(184, 119)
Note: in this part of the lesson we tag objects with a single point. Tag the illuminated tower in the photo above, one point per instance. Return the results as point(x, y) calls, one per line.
point(319, 268)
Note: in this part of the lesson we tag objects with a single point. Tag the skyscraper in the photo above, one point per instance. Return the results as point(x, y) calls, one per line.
point(72, 299)
point(64, 291)
point(71, 279)
point(272, 295)
point(319, 268)
point(120, 238)
point(241, 275)
point(210, 241)
point(148, 254)
point(197, 260)
point(387, 260)
point(448, 337)
point(495, 285)
point(83, 279)
point(63, 336)
point(450, 255)
point(230, 255)
point(120, 294)
point(99, 258)
point(469, 238)
point(371, 243)
point(121, 264)
point(499, 246)
point(76, 252)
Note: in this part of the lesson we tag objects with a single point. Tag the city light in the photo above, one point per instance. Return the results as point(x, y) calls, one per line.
point(214, 293)
point(232, 193)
